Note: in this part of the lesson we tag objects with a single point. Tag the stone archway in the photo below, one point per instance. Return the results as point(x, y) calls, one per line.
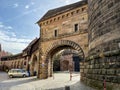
point(21, 64)
point(34, 65)
point(15, 64)
point(18, 64)
point(12, 65)
point(47, 63)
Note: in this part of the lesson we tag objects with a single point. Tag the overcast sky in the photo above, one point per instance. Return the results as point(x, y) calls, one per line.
point(18, 18)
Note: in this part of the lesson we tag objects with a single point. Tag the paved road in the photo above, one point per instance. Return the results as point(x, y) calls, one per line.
point(32, 83)
point(3, 76)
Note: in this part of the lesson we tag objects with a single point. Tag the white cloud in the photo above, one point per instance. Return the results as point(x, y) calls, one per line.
point(9, 27)
point(23, 14)
point(32, 3)
point(13, 34)
point(13, 47)
point(1, 26)
point(15, 5)
point(69, 1)
point(27, 6)
point(10, 42)
point(5, 27)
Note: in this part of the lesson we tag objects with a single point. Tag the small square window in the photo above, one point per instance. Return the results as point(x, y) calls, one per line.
point(76, 27)
point(50, 20)
point(63, 16)
point(54, 19)
point(77, 11)
point(72, 13)
point(83, 9)
point(67, 14)
point(55, 33)
point(58, 18)
point(47, 22)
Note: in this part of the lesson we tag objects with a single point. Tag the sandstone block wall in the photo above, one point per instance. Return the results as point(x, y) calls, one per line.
point(104, 25)
point(104, 45)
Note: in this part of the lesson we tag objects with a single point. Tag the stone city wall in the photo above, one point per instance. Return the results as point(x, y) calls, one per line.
point(104, 45)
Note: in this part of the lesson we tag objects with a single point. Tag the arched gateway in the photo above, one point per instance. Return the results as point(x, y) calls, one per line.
point(62, 28)
point(46, 62)
point(57, 46)
point(34, 65)
point(63, 44)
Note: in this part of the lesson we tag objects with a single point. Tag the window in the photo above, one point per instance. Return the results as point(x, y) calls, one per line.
point(83, 9)
point(55, 33)
point(63, 16)
point(47, 22)
point(58, 18)
point(76, 27)
point(77, 11)
point(72, 13)
point(82, 18)
point(67, 14)
point(50, 20)
point(54, 19)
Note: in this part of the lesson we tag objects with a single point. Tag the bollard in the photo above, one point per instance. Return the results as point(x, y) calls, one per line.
point(104, 83)
point(67, 87)
point(70, 76)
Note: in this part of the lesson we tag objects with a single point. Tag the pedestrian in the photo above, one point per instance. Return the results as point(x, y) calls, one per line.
point(29, 73)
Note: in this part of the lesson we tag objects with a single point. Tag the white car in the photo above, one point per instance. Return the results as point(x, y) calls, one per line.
point(18, 73)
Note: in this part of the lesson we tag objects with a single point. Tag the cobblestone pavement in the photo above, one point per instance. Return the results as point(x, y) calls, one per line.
point(60, 82)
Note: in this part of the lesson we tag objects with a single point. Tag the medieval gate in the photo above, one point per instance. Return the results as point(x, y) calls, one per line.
point(62, 28)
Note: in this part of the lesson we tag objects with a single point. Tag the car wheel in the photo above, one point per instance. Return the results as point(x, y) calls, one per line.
point(24, 76)
point(11, 76)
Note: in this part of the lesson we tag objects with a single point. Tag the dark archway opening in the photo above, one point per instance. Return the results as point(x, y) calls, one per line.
point(76, 60)
point(65, 59)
